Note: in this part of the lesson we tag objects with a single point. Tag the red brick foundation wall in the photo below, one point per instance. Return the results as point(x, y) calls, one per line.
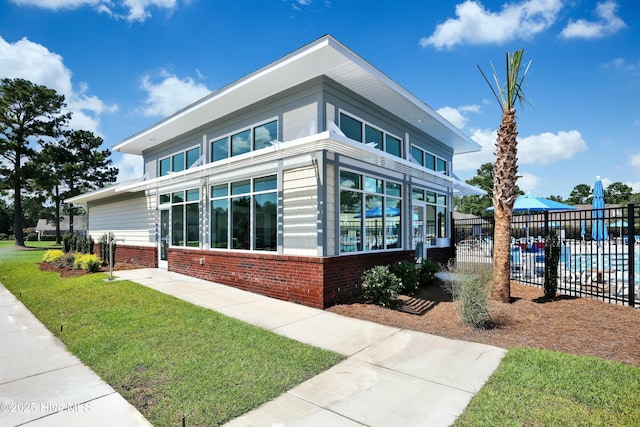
point(143, 256)
point(441, 255)
point(312, 281)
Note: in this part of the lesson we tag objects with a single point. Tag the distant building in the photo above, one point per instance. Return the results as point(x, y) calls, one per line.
point(45, 227)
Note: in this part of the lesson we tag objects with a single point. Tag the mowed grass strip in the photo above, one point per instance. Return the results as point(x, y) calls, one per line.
point(167, 357)
point(543, 388)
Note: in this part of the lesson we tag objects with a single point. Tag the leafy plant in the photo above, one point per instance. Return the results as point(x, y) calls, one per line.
point(52, 255)
point(103, 248)
point(88, 262)
point(470, 286)
point(408, 274)
point(552, 258)
point(84, 245)
point(380, 286)
point(32, 237)
point(69, 242)
point(67, 260)
point(427, 272)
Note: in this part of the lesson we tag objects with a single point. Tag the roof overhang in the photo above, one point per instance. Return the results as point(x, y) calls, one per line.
point(323, 57)
point(326, 141)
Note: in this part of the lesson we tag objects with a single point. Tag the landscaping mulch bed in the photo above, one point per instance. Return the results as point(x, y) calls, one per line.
point(69, 272)
point(579, 326)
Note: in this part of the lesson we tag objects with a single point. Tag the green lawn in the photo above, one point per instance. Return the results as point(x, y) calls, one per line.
point(171, 358)
point(544, 388)
point(167, 357)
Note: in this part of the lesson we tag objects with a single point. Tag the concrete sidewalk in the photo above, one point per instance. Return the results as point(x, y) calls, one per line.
point(42, 384)
point(390, 377)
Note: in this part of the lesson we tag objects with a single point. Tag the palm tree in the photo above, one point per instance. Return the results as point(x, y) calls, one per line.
point(505, 169)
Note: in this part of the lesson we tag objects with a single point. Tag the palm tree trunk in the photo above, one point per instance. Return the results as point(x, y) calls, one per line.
point(504, 195)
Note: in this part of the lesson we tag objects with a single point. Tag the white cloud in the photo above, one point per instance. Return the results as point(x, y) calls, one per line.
point(456, 116)
point(549, 147)
point(34, 62)
point(131, 10)
point(476, 25)
point(535, 149)
point(130, 166)
point(635, 160)
point(528, 182)
point(607, 23)
point(170, 94)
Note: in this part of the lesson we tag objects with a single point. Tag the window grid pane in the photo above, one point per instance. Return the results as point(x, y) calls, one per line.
point(264, 134)
point(220, 149)
point(241, 143)
point(351, 127)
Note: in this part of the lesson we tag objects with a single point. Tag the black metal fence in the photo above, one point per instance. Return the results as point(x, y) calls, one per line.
point(591, 265)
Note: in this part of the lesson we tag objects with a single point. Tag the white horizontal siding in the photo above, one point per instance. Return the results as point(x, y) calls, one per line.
point(300, 207)
point(133, 219)
point(330, 210)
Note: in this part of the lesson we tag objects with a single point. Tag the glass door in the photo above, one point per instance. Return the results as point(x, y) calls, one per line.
point(419, 229)
point(165, 235)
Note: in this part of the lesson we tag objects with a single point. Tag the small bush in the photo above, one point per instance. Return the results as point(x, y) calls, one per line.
point(408, 274)
point(103, 248)
point(470, 286)
point(69, 242)
point(84, 245)
point(4, 236)
point(32, 237)
point(427, 273)
point(88, 262)
point(67, 261)
point(380, 286)
point(552, 259)
point(52, 255)
point(48, 238)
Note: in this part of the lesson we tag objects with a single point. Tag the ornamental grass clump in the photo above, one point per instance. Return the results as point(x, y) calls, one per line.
point(470, 286)
point(380, 286)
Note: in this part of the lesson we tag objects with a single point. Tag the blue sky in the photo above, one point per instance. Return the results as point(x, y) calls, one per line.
point(125, 64)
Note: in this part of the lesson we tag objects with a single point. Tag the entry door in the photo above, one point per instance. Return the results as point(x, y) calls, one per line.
point(419, 229)
point(165, 236)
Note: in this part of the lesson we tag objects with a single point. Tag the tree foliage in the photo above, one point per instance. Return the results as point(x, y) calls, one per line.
point(580, 195)
point(29, 114)
point(74, 165)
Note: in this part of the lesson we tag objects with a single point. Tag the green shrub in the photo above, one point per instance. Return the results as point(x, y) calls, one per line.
point(470, 286)
point(52, 255)
point(103, 248)
point(4, 236)
point(32, 237)
point(69, 242)
point(380, 286)
point(84, 245)
point(67, 260)
point(427, 272)
point(408, 274)
point(88, 262)
point(48, 238)
point(552, 258)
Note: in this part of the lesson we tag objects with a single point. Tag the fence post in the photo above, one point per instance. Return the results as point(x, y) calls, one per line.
point(631, 282)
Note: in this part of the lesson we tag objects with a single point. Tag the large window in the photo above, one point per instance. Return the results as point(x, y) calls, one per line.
point(185, 216)
point(244, 141)
point(428, 160)
point(436, 215)
point(244, 214)
point(362, 131)
point(179, 161)
point(370, 213)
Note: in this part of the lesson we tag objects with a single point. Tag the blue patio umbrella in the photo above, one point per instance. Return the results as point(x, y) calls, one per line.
point(599, 231)
point(530, 204)
point(583, 229)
